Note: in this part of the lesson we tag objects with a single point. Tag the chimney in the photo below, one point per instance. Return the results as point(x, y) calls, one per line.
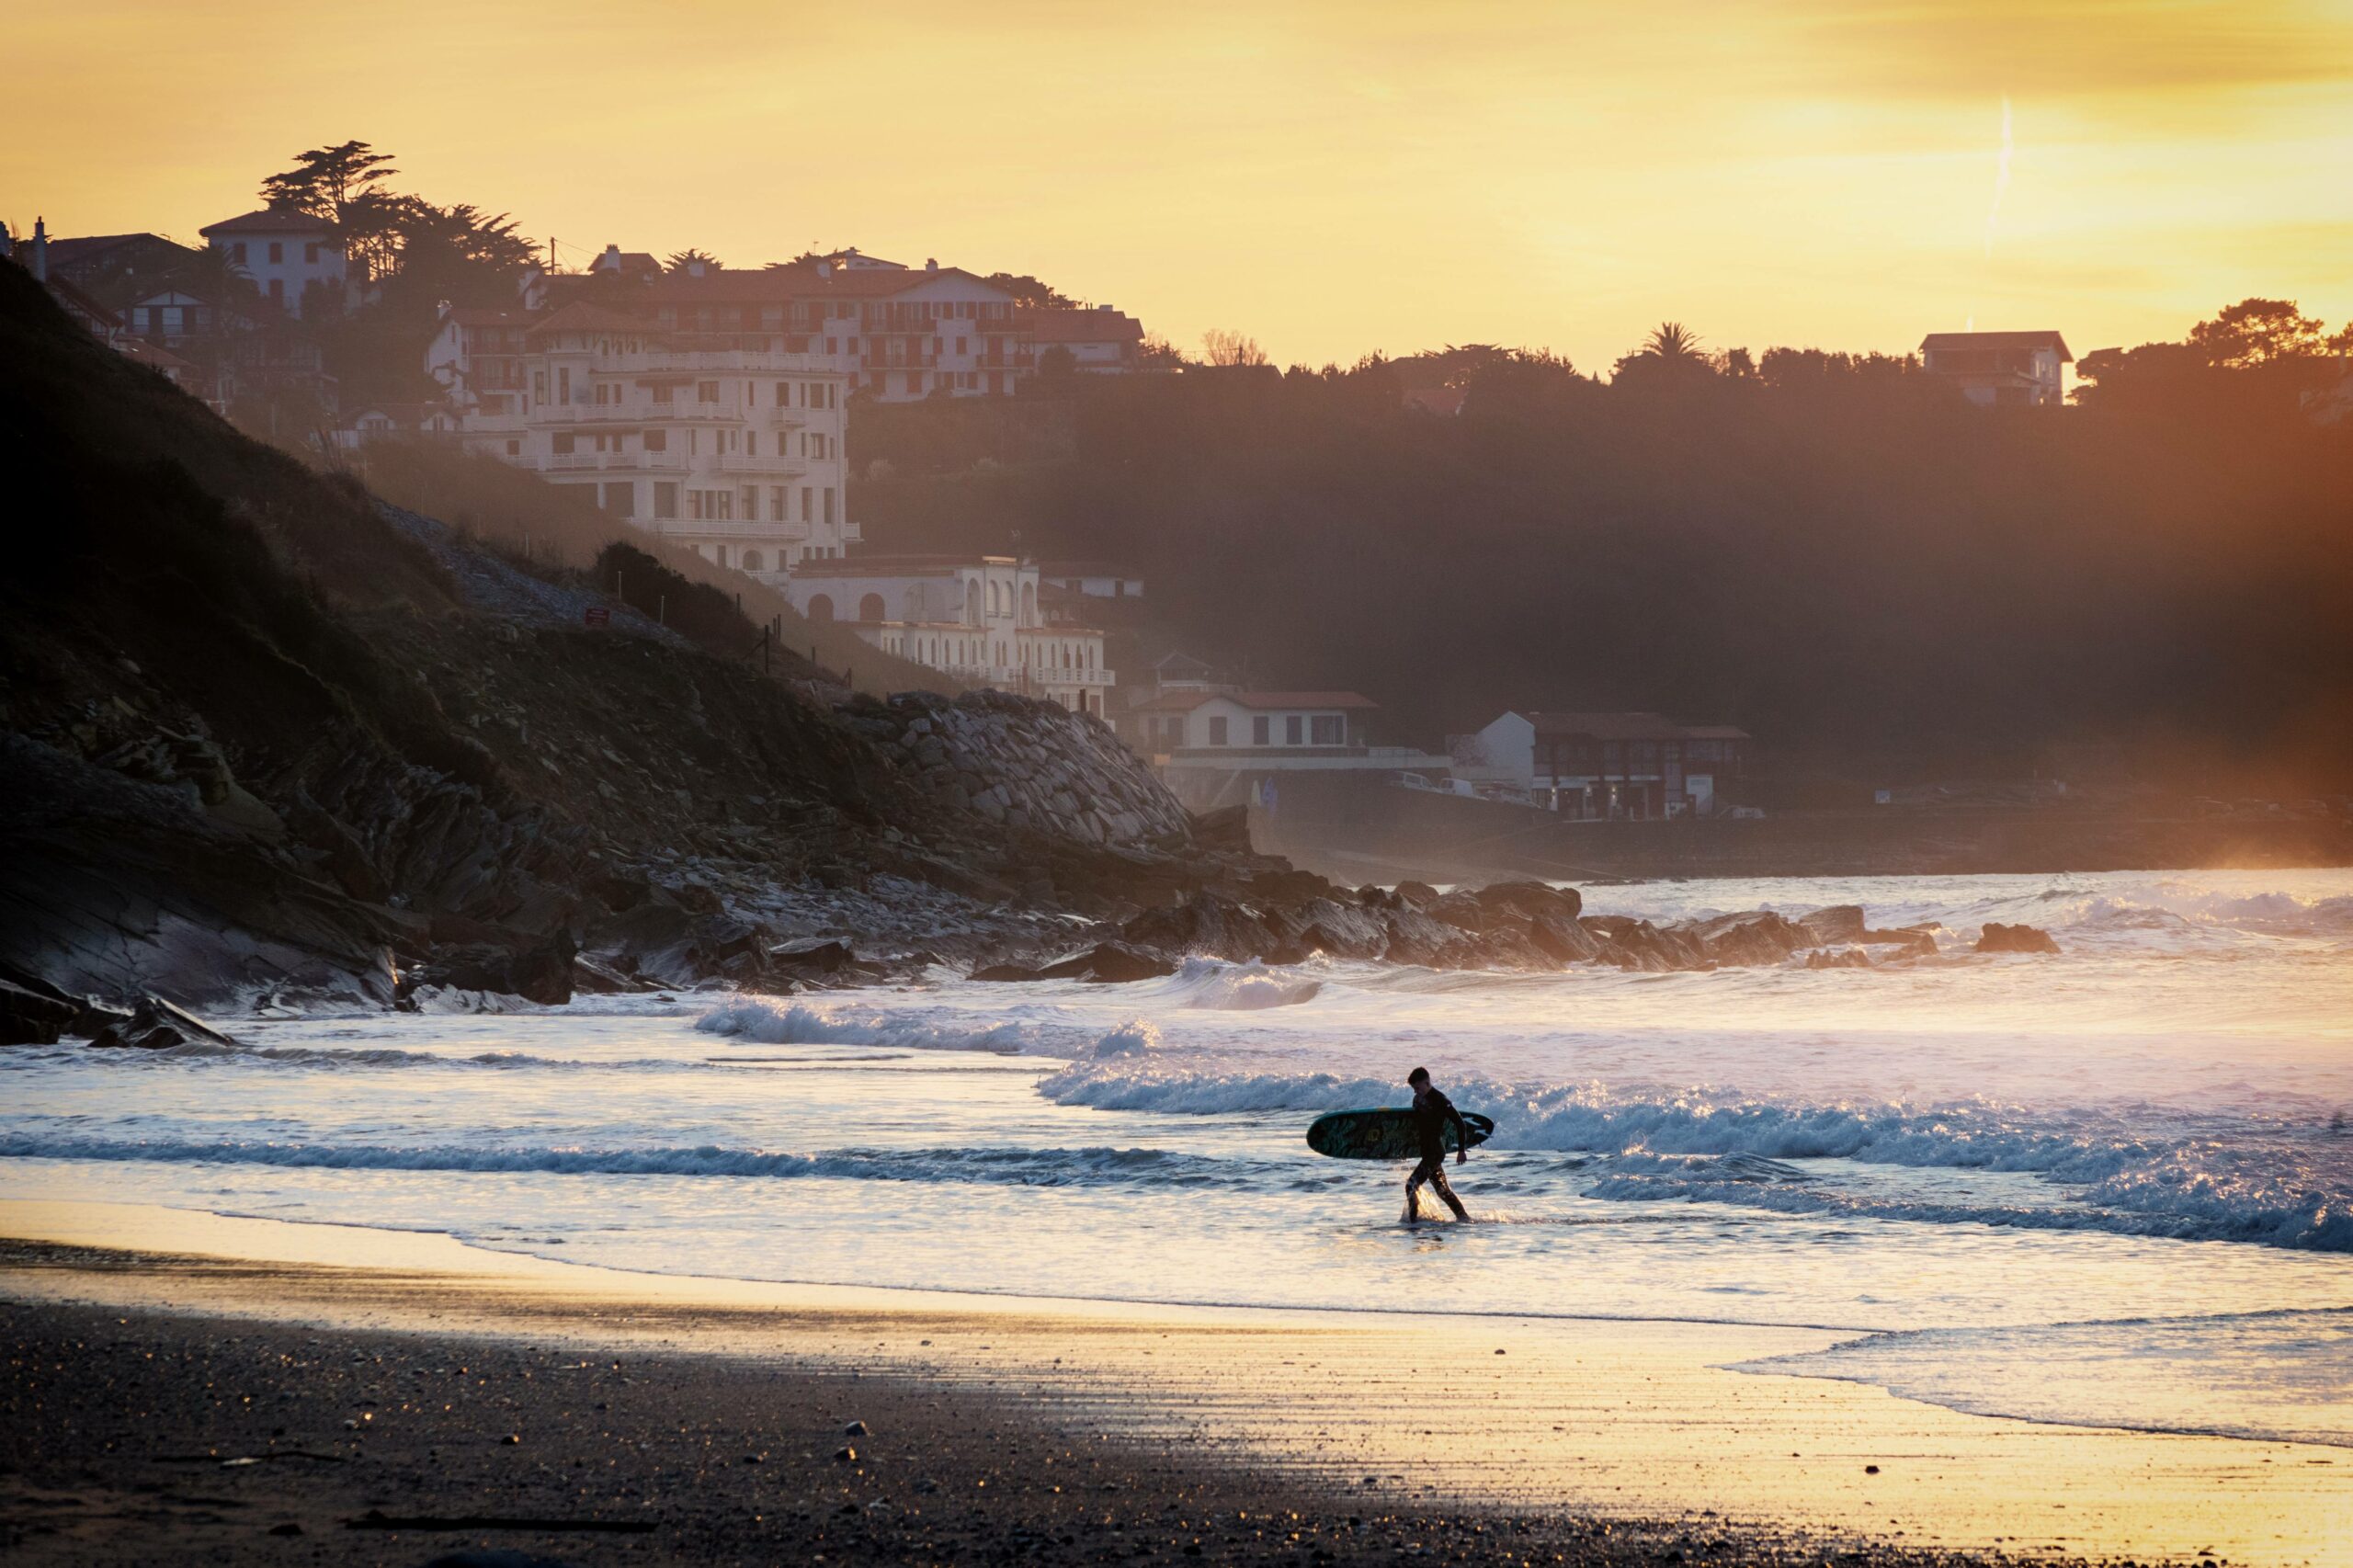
point(39, 268)
point(610, 261)
point(931, 264)
point(825, 270)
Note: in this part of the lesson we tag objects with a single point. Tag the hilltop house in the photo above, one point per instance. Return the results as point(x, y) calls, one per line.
point(2003, 368)
point(735, 452)
point(979, 619)
point(1098, 340)
point(294, 259)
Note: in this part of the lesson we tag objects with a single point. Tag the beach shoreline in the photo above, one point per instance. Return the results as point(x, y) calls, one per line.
point(137, 1333)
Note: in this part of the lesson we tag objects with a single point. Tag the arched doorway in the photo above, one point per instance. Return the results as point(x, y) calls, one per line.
point(820, 608)
point(1028, 604)
point(753, 561)
point(870, 607)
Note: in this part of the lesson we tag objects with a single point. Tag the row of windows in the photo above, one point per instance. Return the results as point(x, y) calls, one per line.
point(1297, 730)
point(813, 443)
point(815, 503)
point(276, 253)
point(1606, 755)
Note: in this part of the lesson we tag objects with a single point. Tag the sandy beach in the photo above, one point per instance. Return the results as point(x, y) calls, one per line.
point(184, 1385)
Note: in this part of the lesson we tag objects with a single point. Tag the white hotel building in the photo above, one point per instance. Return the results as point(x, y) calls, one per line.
point(978, 619)
point(735, 452)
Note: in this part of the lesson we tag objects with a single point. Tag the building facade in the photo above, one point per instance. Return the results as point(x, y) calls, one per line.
point(1631, 766)
point(294, 259)
point(736, 453)
point(2021, 369)
point(978, 619)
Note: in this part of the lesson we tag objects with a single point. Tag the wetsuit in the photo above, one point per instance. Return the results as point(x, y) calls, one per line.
point(1431, 1110)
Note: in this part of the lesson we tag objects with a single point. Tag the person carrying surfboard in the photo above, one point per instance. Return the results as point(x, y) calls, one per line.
point(1431, 1111)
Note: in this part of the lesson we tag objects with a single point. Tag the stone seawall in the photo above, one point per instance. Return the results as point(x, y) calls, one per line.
point(1023, 762)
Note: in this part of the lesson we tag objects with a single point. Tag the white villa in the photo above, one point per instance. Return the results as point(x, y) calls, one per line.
point(977, 618)
point(735, 452)
point(293, 259)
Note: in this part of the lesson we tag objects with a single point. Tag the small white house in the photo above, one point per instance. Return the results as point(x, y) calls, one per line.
point(1095, 579)
point(1499, 759)
point(295, 260)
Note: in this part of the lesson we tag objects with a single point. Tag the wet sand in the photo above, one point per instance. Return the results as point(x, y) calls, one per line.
point(417, 1378)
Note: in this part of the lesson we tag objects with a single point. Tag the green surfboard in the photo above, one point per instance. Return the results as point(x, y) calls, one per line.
point(1384, 1134)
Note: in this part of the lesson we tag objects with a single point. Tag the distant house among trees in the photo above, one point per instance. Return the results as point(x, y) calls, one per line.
point(2001, 368)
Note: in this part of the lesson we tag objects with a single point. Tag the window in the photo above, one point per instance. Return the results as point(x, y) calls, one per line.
point(657, 440)
point(662, 393)
point(1217, 730)
point(1261, 730)
point(563, 383)
point(564, 443)
point(722, 555)
point(807, 495)
point(779, 503)
point(621, 500)
point(514, 448)
point(237, 253)
point(1327, 729)
point(666, 498)
point(1292, 727)
point(277, 251)
point(706, 392)
point(751, 502)
point(829, 505)
point(752, 443)
point(311, 253)
point(752, 561)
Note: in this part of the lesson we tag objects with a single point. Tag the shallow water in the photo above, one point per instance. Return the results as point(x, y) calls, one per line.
point(2142, 1139)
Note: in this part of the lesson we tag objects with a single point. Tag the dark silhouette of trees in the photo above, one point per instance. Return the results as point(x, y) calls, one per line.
point(1840, 553)
point(688, 259)
point(1222, 346)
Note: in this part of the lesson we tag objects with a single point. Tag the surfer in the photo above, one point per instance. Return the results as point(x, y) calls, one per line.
point(1431, 1110)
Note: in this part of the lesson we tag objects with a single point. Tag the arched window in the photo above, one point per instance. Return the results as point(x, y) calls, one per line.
point(994, 600)
point(752, 561)
point(821, 607)
point(870, 607)
point(1028, 604)
point(972, 601)
point(722, 555)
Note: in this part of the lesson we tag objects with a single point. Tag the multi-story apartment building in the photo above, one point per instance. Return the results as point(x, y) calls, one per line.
point(904, 333)
point(976, 618)
point(733, 451)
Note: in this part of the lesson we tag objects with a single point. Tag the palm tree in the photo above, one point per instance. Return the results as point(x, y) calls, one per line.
point(1672, 344)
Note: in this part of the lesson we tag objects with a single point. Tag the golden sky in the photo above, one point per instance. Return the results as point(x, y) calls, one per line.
point(1332, 178)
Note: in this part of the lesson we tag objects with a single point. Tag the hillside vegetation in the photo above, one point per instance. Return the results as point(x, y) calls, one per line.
point(1845, 557)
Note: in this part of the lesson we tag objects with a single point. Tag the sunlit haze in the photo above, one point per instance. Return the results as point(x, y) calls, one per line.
point(1331, 179)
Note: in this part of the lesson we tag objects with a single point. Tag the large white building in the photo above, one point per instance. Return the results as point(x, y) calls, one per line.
point(294, 259)
point(735, 452)
point(978, 619)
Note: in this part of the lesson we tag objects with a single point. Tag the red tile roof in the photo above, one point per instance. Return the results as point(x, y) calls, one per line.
point(585, 317)
point(1299, 700)
point(269, 221)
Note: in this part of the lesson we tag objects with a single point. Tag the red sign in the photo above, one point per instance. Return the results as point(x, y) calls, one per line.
point(597, 615)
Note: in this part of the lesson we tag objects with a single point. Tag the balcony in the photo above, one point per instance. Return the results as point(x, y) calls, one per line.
point(610, 462)
point(749, 531)
point(741, 463)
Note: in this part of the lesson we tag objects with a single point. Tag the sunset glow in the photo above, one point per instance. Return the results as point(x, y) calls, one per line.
point(1331, 179)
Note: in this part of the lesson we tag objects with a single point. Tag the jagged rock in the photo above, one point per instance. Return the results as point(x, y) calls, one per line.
point(1416, 895)
point(1111, 963)
point(1530, 900)
point(541, 972)
point(158, 1025)
point(1840, 957)
point(1563, 940)
point(1461, 910)
point(1915, 941)
point(1754, 937)
point(1205, 924)
point(28, 1017)
point(2000, 938)
point(1829, 926)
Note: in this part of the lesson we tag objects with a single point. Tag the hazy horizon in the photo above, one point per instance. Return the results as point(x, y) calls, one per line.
point(1331, 184)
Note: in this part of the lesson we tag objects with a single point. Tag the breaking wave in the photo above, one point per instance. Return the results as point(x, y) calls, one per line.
point(766, 1022)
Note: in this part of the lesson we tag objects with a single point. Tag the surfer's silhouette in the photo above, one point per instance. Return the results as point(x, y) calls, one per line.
point(1431, 1110)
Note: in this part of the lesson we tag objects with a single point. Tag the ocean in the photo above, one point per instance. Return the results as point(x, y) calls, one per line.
point(2113, 1186)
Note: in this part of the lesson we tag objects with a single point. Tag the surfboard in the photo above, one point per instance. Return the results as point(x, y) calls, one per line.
point(1384, 1134)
